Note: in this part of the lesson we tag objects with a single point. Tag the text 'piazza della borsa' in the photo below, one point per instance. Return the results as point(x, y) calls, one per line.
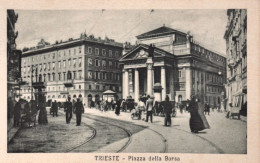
point(137, 158)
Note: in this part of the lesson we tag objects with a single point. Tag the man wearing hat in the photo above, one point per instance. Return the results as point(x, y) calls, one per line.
point(149, 108)
point(68, 110)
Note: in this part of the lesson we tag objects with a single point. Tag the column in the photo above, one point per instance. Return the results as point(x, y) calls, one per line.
point(123, 83)
point(126, 84)
point(188, 83)
point(136, 85)
point(163, 82)
point(149, 79)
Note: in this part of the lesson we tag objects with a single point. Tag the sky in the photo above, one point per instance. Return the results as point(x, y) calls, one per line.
point(206, 26)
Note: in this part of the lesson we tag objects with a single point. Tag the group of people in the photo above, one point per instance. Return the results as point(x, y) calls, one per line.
point(148, 107)
point(77, 108)
point(23, 109)
point(196, 108)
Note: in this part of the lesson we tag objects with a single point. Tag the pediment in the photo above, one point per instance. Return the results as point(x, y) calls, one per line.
point(141, 52)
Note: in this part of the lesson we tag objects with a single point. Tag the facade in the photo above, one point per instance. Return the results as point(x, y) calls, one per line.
point(181, 66)
point(236, 51)
point(13, 61)
point(82, 68)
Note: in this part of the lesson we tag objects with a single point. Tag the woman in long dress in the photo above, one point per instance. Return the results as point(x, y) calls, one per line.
point(198, 120)
point(117, 112)
point(42, 119)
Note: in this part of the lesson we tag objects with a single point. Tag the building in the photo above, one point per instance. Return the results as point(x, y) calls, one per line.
point(82, 68)
point(13, 61)
point(181, 66)
point(236, 52)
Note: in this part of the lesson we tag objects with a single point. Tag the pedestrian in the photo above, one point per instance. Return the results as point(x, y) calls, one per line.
point(54, 108)
point(140, 108)
point(68, 110)
point(42, 119)
point(17, 113)
point(207, 108)
point(149, 108)
point(78, 109)
point(117, 107)
point(168, 111)
point(198, 121)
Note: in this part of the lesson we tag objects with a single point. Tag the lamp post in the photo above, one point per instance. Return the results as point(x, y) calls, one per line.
point(34, 68)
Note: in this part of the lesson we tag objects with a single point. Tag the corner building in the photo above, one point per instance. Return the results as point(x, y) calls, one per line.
point(236, 51)
point(180, 65)
point(88, 64)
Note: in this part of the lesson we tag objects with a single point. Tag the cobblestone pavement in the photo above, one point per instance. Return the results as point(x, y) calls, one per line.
point(106, 132)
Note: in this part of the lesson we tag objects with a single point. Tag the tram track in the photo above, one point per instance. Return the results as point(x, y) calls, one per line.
point(164, 140)
point(129, 134)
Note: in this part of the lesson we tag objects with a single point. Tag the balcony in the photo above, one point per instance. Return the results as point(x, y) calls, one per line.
point(69, 83)
point(235, 35)
point(231, 62)
point(39, 85)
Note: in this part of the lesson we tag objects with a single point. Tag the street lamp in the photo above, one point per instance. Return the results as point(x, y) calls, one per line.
point(33, 68)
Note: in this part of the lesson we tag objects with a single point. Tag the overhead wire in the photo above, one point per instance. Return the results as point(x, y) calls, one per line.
point(145, 18)
point(96, 22)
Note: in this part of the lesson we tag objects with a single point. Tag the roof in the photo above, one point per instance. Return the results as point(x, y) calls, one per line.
point(109, 92)
point(159, 31)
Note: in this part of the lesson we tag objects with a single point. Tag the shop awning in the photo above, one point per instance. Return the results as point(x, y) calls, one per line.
point(109, 92)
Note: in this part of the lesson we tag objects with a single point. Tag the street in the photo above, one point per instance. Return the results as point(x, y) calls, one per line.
point(105, 132)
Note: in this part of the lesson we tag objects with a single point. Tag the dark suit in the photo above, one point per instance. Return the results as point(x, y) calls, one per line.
point(79, 109)
point(55, 109)
point(68, 110)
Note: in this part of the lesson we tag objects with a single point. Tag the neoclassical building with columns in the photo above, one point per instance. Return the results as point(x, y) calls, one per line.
point(176, 63)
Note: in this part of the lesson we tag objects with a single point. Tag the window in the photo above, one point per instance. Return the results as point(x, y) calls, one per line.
point(53, 56)
point(53, 65)
point(64, 76)
point(69, 62)
point(64, 63)
point(90, 61)
point(110, 53)
point(79, 86)
point(80, 62)
point(75, 51)
point(103, 52)
point(53, 76)
point(49, 66)
point(59, 76)
point(180, 73)
point(110, 63)
point(74, 62)
point(89, 87)
point(90, 75)
point(74, 74)
point(79, 74)
point(49, 77)
point(104, 64)
point(116, 54)
point(59, 63)
point(32, 58)
point(89, 50)
point(96, 62)
point(79, 49)
point(96, 51)
point(44, 66)
point(97, 87)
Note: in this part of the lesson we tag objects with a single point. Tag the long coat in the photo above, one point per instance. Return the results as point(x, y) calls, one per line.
point(198, 120)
